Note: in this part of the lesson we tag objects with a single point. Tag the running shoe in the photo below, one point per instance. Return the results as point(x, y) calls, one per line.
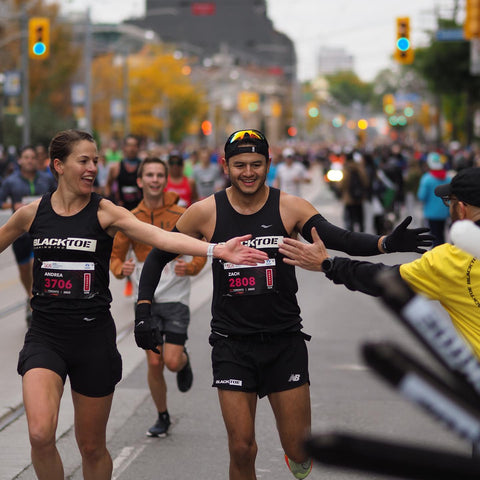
point(299, 470)
point(160, 428)
point(185, 376)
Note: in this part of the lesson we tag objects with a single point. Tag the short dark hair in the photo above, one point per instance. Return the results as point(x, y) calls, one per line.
point(25, 148)
point(148, 160)
point(62, 144)
point(131, 136)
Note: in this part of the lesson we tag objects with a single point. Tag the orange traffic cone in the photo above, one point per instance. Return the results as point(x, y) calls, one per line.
point(128, 290)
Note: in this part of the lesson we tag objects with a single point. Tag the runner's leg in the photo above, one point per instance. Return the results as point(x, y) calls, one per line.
point(292, 413)
point(156, 379)
point(42, 392)
point(238, 410)
point(91, 416)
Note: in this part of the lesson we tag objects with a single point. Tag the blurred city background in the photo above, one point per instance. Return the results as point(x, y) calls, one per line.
point(182, 72)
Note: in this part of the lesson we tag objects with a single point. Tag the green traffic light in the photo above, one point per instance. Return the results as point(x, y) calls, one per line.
point(403, 44)
point(39, 48)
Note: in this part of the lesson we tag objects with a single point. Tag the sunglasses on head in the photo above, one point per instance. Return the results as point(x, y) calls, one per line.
point(241, 134)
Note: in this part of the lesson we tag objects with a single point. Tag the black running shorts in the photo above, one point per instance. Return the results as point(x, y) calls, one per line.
point(262, 365)
point(80, 346)
point(23, 248)
point(172, 319)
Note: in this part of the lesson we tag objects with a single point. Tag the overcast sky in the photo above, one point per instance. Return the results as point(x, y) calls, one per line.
point(365, 28)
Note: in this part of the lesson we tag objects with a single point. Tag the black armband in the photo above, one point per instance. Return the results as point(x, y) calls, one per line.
point(336, 238)
point(152, 271)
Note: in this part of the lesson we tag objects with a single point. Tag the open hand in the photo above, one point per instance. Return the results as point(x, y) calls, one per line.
point(235, 252)
point(306, 255)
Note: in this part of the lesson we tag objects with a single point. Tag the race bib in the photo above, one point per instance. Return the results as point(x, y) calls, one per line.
point(130, 193)
point(249, 280)
point(67, 279)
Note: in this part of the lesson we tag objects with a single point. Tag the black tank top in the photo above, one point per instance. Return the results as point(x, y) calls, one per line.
point(71, 259)
point(128, 191)
point(248, 300)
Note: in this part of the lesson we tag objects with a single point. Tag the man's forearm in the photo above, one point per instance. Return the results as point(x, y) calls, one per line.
point(357, 275)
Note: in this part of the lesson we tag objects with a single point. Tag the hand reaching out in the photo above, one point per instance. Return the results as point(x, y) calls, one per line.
point(306, 255)
point(235, 252)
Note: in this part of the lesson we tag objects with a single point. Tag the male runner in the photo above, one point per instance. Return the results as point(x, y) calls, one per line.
point(258, 346)
point(22, 187)
point(172, 296)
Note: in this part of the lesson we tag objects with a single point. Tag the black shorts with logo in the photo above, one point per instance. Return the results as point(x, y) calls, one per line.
point(80, 346)
point(262, 364)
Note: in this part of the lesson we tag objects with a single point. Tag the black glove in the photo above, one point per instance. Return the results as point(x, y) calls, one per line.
point(147, 334)
point(403, 239)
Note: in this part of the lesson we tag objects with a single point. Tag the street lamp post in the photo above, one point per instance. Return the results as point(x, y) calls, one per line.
point(25, 78)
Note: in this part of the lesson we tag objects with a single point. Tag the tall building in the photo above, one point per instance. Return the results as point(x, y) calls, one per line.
point(200, 27)
point(332, 60)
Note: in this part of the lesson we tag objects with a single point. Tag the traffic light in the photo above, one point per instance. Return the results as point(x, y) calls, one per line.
point(206, 127)
point(389, 104)
point(403, 47)
point(39, 38)
point(291, 131)
point(471, 27)
point(313, 110)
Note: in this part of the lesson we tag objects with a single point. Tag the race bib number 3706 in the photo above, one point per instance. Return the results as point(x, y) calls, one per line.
point(249, 280)
point(68, 279)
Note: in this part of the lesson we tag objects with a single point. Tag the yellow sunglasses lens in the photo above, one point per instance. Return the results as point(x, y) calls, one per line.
point(241, 134)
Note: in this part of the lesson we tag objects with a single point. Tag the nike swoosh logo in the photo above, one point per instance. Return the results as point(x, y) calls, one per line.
point(88, 319)
point(140, 323)
point(265, 226)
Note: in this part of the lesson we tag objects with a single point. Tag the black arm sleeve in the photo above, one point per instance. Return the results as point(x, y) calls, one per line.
point(357, 275)
point(152, 271)
point(336, 238)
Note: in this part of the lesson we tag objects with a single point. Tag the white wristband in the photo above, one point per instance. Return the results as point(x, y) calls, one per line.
point(210, 248)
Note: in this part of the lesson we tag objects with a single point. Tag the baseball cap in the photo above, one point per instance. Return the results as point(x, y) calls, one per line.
point(175, 157)
point(465, 185)
point(434, 161)
point(237, 143)
point(288, 152)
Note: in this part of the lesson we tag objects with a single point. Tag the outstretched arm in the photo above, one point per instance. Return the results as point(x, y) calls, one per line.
point(402, 239)
point(17, 224)
point(114, 219)
point(354, 274)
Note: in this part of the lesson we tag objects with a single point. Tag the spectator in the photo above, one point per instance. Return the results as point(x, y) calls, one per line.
point(435, 212)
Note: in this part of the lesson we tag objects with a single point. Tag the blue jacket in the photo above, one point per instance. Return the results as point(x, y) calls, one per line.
point(433, 207)
point(16, 187)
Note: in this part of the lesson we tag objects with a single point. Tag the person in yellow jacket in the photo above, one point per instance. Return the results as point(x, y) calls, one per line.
point(171, 306)
point(445, 273)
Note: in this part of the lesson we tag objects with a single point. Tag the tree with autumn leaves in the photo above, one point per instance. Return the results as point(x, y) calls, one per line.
point(50, 79)
point(160, 94)
point(158, 89)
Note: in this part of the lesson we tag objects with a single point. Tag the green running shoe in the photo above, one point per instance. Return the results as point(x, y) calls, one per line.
point(299, 470)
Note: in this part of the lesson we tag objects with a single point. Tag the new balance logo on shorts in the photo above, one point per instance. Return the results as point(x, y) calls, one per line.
point(294, 377)
point(230, 381)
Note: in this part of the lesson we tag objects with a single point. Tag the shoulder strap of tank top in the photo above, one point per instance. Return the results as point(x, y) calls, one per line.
point(221, 199)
